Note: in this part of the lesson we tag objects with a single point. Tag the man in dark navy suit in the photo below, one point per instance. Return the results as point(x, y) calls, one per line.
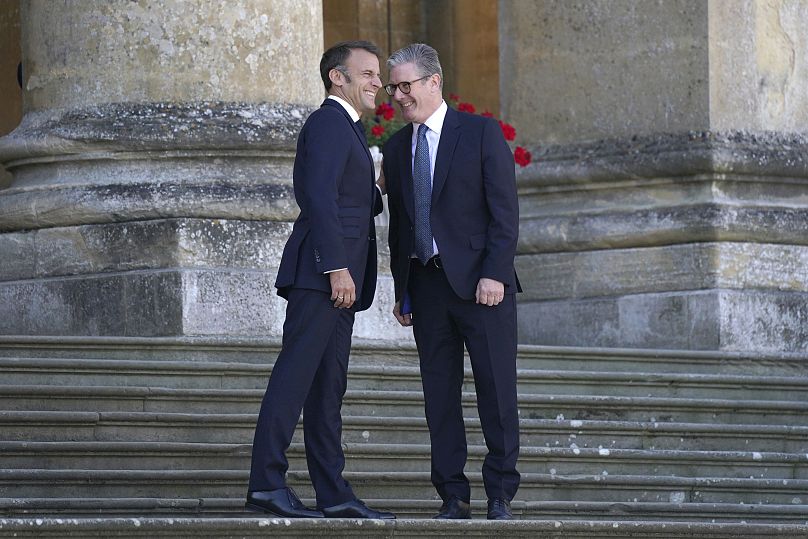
point(327, 274)
point(454, 222)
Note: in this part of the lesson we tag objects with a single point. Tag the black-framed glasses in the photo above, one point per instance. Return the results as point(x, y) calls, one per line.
point(404, 86)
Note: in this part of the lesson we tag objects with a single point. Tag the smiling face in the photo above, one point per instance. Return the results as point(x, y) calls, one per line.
point(425, 95)
point(361, 82)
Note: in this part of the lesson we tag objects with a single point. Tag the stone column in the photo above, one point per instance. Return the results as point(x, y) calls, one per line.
point(666, 206)
point(151, 188)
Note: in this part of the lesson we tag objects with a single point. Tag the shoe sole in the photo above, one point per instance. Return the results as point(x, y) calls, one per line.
point(258, 509)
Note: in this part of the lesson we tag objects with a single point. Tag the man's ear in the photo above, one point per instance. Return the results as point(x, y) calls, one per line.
point(435, 80)
point(335, 75)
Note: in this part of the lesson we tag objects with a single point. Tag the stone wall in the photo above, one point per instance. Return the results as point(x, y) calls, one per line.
point(665, 207)
point(152, 189)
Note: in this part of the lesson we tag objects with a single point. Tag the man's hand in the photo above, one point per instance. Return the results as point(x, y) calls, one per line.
point(343, 290)
point(380, 183)
point(403, 319)
point(489, 292)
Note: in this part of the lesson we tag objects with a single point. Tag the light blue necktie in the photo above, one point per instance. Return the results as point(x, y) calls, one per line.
point(422, 189)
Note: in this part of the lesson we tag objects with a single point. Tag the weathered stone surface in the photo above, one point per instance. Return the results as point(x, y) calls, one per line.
point(580, 70)
point(162, 277)
point(146, 161)
point(676, 320)
point(230, 302)
point(764, 320)
point(158, 126)
point(667, 189)
point(668, 156)
point(694, 266)
point(17, 258)
point(122, 202)
point(757, 65)
point(143, 245)
point(136, 304)
point(167, 51)
point(624, 239)
point(739, 320)
point(168, 302)
point(590, 70)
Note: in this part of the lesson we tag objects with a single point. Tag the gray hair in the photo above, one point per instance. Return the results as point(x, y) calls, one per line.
point(423, 56)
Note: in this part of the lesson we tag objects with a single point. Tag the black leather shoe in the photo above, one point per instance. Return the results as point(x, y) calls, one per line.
point(499, 509)
point(454, 508)
point(355, 509)
point(282, 502)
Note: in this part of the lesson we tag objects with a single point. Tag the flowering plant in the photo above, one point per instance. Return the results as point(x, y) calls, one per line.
point(381, 127)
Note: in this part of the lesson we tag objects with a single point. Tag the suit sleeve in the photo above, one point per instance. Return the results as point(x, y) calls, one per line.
point(378, 201)
point(325, 154)
point(392, 230)
point(499, 181)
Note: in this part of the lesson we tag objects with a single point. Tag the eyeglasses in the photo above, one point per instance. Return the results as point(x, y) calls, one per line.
point(403, 86)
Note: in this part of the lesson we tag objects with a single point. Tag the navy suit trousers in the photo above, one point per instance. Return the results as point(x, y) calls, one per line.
point(310, 374)
point(442, 324)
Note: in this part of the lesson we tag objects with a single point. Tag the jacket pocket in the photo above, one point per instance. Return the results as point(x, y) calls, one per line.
point(477, 241)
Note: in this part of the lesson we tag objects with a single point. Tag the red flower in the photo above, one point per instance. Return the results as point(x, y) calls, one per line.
point(466, 107)
point(488, 114)
point(507, 130)
point(454, 97)
point(377, 130)
point(521, 156)
point(386, 111)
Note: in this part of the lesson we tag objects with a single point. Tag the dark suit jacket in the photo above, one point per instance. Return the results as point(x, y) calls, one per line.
point(475, 211)
point(335, 189)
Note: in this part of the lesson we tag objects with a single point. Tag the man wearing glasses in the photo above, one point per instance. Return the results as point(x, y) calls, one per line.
point(454, 222)
point(327, 274)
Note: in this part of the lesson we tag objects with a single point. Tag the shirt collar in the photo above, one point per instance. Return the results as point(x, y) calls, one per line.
point(434, 122)
point(347, 106)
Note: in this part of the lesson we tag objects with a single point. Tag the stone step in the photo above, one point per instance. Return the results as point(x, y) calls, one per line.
point(231, 375)
point(405, 458)
point(263, 351)
point(29, 426)
point(36, 483)
point(252, 526)
point(405, 403)
point(421, 508)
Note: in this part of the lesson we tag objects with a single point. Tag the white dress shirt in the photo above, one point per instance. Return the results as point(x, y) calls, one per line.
point(347, 106)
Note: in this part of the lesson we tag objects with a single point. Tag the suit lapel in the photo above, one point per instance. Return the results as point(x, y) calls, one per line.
point(364, 141)
point(358, 131)
point(405, 170)
point(448, 141)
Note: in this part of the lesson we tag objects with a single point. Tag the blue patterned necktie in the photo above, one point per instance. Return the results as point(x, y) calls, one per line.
point(422, 189)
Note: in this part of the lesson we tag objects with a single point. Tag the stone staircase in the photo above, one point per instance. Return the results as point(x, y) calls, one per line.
point(128, 437)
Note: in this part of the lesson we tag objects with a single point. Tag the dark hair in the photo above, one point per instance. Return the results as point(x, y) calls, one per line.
point(335, 57)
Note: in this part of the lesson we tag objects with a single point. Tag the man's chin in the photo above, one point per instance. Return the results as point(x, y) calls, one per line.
point(406, 114)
